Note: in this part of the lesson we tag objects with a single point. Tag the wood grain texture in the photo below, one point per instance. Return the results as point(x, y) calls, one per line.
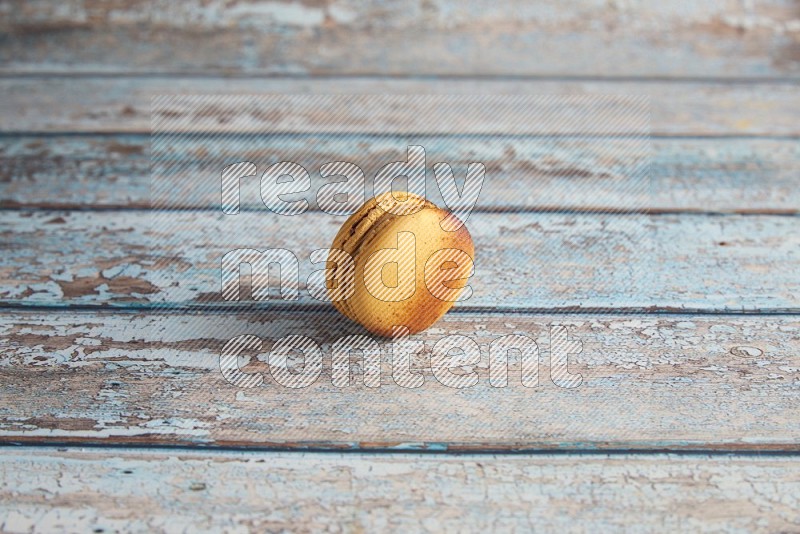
point(708, 175)
point(648, 382)
point(47, 490)
point(114, 104)
point(523, 260)
point(722, 82)
point(723, 39)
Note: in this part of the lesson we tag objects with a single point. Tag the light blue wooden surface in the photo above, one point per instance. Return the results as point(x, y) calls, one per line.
point(709, 362)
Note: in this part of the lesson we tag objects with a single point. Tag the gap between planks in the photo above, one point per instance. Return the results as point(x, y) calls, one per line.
point(420, 449)
point(55, 74)
point(277, 307)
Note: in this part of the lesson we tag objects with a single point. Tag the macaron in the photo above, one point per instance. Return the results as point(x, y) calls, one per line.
point(411, 263)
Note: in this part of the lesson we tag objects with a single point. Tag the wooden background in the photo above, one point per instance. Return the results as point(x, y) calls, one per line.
point(112, 406)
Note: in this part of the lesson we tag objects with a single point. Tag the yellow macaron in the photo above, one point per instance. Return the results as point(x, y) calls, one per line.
point(408, 268)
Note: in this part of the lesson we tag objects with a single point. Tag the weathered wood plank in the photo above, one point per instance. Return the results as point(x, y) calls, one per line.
point(441, 37)
point(523, 260)
point(647, 382)
point(135, 490)
point(709, 175)
point(53, 104)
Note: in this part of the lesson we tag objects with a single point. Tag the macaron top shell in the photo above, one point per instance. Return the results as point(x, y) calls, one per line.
point(401, 236)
